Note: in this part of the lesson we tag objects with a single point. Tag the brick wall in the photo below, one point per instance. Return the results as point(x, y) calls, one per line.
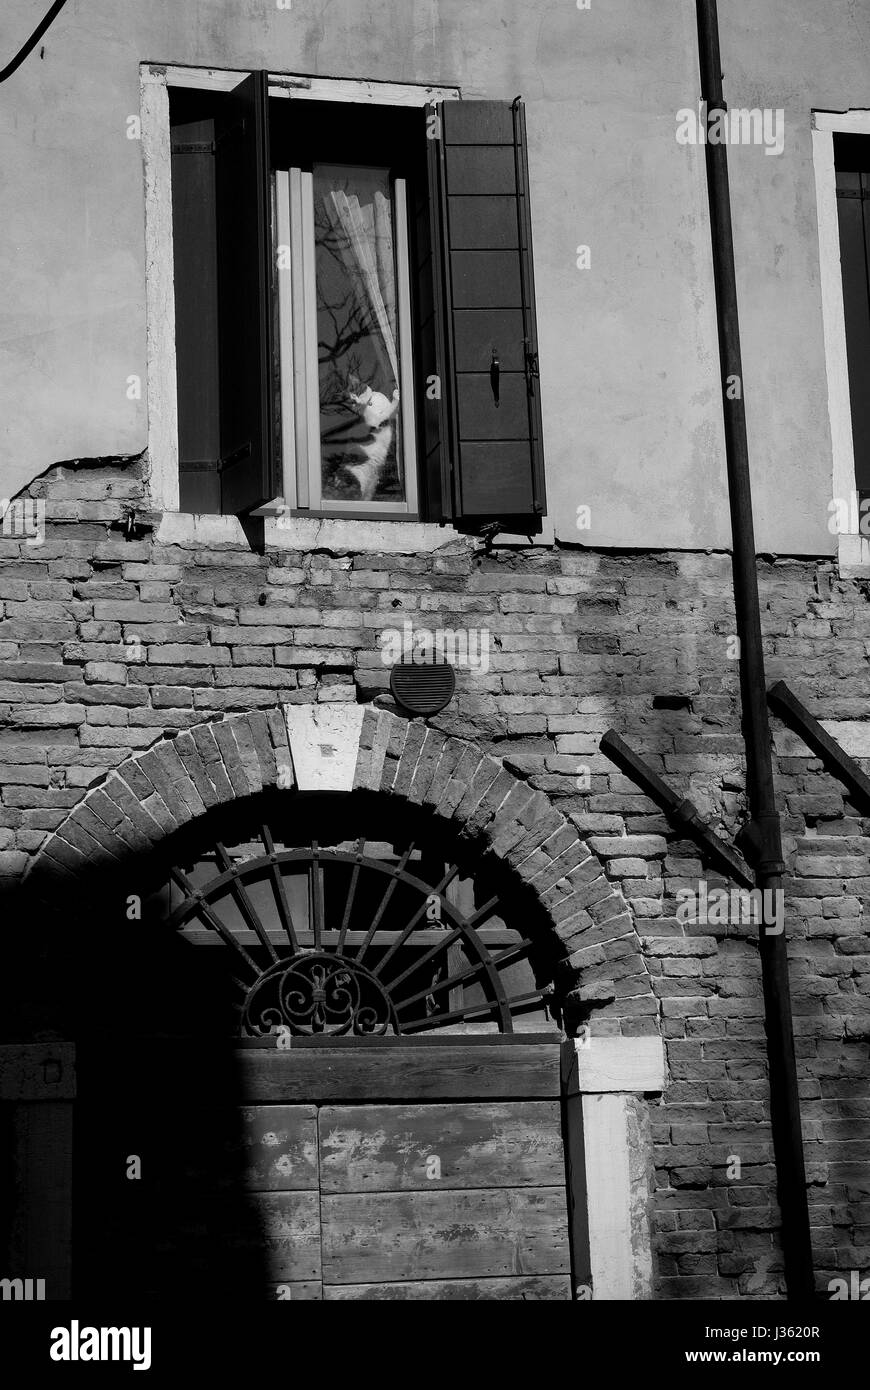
point(107, 644)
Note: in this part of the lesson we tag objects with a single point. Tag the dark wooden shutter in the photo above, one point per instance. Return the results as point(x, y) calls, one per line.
point(853, 206)
point(194, 238)
point(479, 181)
point(244, 242)
point(432, 377)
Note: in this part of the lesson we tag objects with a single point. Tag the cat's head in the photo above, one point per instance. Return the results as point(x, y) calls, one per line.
point(374, 407)
point(358, 396)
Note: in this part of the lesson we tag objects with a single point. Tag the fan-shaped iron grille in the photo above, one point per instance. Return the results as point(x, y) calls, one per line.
point(341, 941)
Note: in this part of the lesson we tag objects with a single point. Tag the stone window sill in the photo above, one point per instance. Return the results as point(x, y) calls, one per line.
point(853, 554)
point(322, 533)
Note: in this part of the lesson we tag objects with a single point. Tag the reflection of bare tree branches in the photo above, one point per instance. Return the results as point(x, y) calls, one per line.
point(351, 325)
point(352, 322)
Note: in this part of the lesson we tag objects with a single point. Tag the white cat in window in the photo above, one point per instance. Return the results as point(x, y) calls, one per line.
point(377, 412)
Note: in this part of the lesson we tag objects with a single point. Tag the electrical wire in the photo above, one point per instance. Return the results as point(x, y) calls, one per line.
point(32, 41)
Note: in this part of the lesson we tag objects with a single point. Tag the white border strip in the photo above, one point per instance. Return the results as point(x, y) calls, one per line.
point(161, 392)
point(853, 550)
point(410, 472)
point(287, 365)
point(305, 88)
point(620, 1258)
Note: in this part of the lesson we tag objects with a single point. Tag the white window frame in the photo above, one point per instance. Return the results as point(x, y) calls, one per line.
point(853, 549)
point(161, 392)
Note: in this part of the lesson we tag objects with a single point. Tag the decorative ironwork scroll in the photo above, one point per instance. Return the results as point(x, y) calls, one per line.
point(318, 993)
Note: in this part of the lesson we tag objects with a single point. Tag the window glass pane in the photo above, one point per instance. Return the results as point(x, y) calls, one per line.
point(358, 354)
point(852, 158)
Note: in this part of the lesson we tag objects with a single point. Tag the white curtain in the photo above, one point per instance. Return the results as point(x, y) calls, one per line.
point(365, 236)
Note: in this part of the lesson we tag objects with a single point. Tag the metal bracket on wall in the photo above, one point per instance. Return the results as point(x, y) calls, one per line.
point(789, 708)
point(680, 810)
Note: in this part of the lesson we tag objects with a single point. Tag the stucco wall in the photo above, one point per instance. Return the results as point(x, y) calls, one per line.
point(628, 349)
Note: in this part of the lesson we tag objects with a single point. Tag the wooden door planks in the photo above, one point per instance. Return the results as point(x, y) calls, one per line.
point(411, 1073)
point(280, 1147)
point(388, 1237)
point(259, 1148)
point(377, 1148)
point(535, 1288)
point(275, 1236)
point(297, 1291)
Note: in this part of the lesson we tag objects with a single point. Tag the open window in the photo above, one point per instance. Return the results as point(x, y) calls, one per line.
point(354, 301)
point(852, 166)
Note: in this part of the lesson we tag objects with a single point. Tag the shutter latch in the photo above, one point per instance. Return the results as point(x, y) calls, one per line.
point(494, 368)
point(531, 368)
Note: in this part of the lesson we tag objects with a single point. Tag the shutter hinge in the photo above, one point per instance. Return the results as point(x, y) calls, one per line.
point(194, 147)
point(532, 371)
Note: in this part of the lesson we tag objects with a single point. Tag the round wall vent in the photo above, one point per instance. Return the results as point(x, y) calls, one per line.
point(423, 687)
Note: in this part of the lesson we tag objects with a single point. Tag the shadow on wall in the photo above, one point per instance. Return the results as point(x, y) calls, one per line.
point(174, 1193)
point(160, 1148)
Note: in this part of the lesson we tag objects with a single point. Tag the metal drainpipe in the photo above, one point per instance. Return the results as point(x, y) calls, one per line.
point(764, 831)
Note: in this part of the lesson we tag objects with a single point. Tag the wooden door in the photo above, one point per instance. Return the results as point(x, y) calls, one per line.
point(440, 1163)
point(335, 1169)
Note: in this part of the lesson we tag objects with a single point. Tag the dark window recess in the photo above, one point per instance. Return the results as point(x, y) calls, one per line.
point(194, 225)
point(852, 162)
point(475, 354)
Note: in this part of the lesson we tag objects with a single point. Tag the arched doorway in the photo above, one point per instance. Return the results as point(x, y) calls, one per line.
point(368, 1105)
point(217, 838)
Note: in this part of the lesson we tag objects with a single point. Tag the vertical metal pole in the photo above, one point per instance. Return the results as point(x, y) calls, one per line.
point(784, 1100)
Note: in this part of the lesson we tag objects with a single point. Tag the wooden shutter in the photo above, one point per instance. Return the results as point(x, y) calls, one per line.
point(194, 228)
point(479, 182)
point(247, 471)
point(853, 206)
point(432, 374)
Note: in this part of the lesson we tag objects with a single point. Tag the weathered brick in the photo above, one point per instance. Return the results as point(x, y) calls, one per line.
point(427, 762)
point(50, 716)
point(410, 753)
point(181, 781)
point(489, 804)
point(151, 767)
point(170, 696)
point(86, 818)
point(176, 653)
point(231, 758)
point(451, 753)
point(477, 788)
point(189, 754)
point(248, 753)
point(23, 775)
point(79, 838)
point(112, 672)
point(106, 694)
point(203, 737)
point(459, 782)
point(393, 753)
point(284, 769)
point(118, 793)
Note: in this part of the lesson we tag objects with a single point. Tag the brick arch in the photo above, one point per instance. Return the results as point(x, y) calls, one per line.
point(599, 966)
